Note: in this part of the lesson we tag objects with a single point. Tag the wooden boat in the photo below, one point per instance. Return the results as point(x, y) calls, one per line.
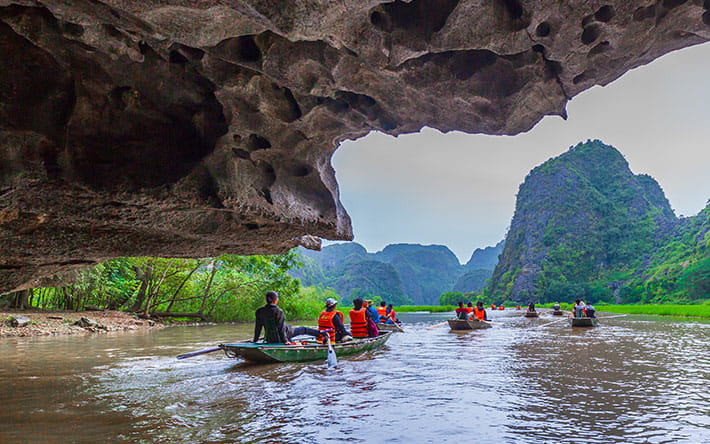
point(266, 353)
point(583, 322)
point(532, 314)
point(387, 327)
point(557, 312)
point(463, 324)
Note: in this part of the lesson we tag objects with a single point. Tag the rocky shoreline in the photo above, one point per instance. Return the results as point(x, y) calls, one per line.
point(54, 323)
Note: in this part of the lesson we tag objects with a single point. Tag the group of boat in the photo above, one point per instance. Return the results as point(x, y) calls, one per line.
point(312, 350)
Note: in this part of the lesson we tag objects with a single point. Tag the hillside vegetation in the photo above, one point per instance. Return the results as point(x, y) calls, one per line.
point(586, 226)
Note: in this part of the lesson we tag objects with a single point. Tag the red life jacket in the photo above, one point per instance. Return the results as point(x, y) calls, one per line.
point(358, 323)
point(325, 322)
point(479, 314)
point(469, 310)
point(392, 315)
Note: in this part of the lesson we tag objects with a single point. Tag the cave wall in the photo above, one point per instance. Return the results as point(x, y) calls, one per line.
point(181, 128)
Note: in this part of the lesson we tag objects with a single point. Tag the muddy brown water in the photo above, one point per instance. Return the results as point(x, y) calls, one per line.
point(636, 379)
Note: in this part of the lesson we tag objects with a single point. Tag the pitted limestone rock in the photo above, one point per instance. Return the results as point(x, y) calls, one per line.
point(181, 128)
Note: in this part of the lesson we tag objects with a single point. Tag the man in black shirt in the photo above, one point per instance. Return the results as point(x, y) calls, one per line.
point(271, 318)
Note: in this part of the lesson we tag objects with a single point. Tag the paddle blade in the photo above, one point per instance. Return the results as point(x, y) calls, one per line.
point(332, 358)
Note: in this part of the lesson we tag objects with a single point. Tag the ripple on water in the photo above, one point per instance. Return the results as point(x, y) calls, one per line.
point(632, 380)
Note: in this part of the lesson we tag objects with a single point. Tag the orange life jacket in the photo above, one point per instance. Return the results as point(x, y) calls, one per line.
point(479, 314)
point(382, 311)
point(470, 310)
point(325, 321)
point(493, 306)
point(392, 315)
point(358, 323)
point(501, 308)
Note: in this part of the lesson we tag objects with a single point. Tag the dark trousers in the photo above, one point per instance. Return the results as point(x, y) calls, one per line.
point(298, 331)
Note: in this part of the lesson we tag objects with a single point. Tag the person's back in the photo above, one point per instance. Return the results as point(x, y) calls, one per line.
point(373, 312)
point(358, 319)
point(479, 312)
point(531, 307)
point(578, 309)
point(589, 311)
point(461, 311)
point(271, 318)
point(382, 312)
point(469, 307)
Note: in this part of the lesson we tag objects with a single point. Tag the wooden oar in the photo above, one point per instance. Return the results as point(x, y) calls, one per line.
point(398, 327)
point(437, 325)
point(554, 322)
point(611, 317)
point(198, 352)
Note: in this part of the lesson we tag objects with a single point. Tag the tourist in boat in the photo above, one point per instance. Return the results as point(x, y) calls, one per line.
point(461, 311)
point(382, 312)
point(531, 307)
point(578, 308)
point(270, 317)
point(479, 312)
point(469, 307)
point(358, 319)
point(589, 311)
point(372, 310)
point(332, 320)
point(392, 315)
point(556, 307)
point(371, 317)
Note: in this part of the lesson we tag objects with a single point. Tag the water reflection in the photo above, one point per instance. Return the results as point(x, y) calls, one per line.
point(635, 379)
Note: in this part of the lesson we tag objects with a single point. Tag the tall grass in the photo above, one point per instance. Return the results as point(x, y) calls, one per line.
point(696, 311)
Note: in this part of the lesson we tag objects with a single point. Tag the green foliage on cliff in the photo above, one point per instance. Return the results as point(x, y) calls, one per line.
point(586, 226)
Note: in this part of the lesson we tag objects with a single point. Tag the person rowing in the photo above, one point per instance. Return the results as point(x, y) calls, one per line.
point(270, 317)
point(531, 307)
point(392, 315)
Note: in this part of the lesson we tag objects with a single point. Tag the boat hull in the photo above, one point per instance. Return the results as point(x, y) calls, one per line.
point(387, 327)
point(583, 322)
point(266, 353)
point(463, 325)
point(557, 312)
point(532, 314)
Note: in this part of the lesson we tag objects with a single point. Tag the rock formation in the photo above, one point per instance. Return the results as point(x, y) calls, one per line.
point(182, 128)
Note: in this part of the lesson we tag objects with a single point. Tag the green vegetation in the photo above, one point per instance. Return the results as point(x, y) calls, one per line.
point(586, 227)
point(226, 288)
point(699, 311)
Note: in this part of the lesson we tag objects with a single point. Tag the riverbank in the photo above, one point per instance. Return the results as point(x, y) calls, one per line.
point(53, 323)
point(689, 311)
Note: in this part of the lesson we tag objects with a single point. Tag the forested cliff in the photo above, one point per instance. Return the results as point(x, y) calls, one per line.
point(586, 226)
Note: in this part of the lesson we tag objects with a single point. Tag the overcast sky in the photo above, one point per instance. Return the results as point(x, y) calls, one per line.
point(459, 190)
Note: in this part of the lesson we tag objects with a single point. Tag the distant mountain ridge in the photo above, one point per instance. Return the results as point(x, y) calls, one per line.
point(400, 273)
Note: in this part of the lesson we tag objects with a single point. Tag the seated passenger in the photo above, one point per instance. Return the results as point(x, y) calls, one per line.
point(461, 312)
point(332, 320)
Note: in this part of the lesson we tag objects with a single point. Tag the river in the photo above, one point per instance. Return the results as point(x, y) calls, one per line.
point(636, 379)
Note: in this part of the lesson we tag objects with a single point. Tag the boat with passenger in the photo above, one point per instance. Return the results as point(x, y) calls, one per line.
point(304, 351)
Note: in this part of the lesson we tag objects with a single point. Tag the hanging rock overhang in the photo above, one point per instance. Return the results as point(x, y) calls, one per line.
point(190, 129)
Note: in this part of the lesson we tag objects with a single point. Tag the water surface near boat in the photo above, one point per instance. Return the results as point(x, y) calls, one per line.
point(632, 379)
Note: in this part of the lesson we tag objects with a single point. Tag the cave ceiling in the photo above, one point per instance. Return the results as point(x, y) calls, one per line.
point(180, 128)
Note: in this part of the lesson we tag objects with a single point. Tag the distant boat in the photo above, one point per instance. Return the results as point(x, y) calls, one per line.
point(388, 327)
point(463, 324)
point(532, 314)
point(266, 353)
point(583, 322)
